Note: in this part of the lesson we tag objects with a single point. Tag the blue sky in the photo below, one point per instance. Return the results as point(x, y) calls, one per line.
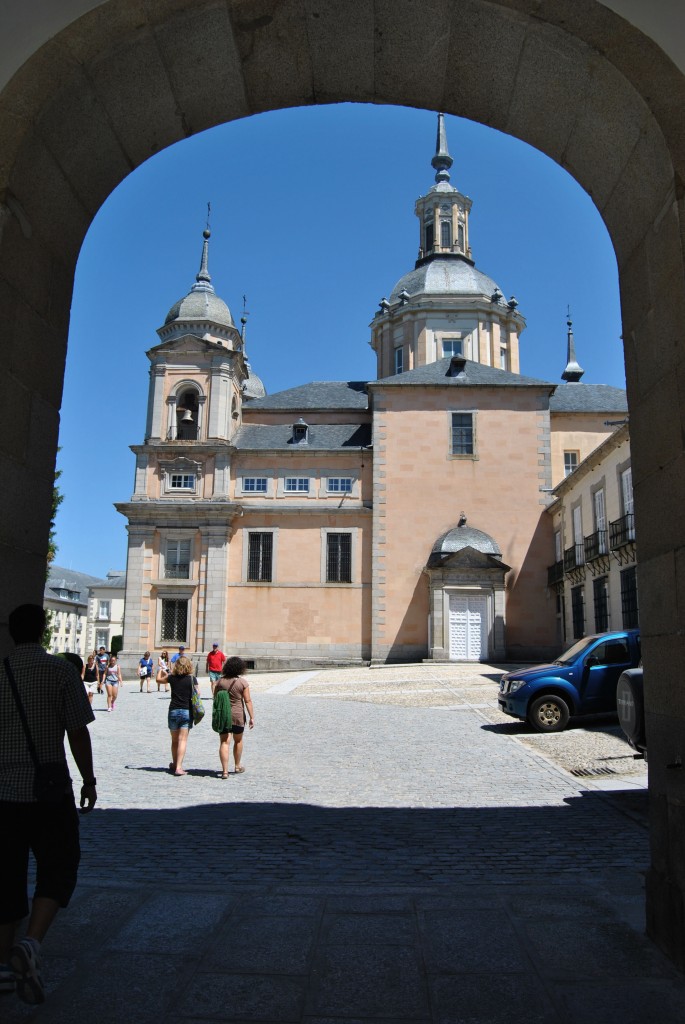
point(313, 220)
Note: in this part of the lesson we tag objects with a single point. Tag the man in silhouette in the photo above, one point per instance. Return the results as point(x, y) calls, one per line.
point(44, 695)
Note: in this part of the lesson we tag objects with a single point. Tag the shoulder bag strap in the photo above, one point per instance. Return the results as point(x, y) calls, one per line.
point(22, 714)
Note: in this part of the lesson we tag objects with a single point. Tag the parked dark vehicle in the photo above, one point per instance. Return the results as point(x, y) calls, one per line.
point(630, 704)
point(580, 682)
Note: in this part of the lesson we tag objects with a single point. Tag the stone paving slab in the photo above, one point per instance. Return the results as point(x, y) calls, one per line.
point(376, 862)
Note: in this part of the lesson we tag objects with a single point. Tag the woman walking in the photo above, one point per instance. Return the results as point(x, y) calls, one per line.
point(113, 681)
point(238, 689)
point(163, 671)
point(145, 670)
point(90, 675)
point(180, 718)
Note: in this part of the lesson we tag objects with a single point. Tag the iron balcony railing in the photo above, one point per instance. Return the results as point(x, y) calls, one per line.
point(622, 531)
point(596, 544)
point(177, 571)
point(574, 556)
point(555, 573)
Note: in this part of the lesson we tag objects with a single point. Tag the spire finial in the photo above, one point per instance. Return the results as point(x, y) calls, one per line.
point(573, 371)
point(243, 319)
point(203, 273)
point(442, 161)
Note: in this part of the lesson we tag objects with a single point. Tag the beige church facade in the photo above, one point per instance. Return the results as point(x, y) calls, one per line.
point(393, 520)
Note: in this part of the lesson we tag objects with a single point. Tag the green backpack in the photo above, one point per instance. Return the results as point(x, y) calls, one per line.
point(221, 712)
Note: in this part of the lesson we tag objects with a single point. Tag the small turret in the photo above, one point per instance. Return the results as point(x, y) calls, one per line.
point(573, 371)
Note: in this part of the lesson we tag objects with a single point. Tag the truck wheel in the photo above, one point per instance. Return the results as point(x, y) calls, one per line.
point(549, 714)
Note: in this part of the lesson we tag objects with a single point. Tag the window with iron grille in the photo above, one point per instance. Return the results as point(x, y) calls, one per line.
point(629, 607)
point(174, 621)
point(462, 433)
point(338, 557)
point(578, 612)
point(260, 557)
point(600, 593)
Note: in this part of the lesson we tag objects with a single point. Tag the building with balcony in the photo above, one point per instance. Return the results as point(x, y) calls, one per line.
point(593, 578)
point(66, 599)
point(106, 600)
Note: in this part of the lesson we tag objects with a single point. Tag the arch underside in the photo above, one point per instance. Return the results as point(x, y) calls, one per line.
point(571, 78)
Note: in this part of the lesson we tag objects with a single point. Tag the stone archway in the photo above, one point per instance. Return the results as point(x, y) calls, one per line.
point(572, 79)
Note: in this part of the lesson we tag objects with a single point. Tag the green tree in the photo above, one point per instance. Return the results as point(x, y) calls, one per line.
point(57, 499)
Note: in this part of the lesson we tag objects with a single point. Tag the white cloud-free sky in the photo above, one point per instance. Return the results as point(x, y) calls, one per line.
point(312, 219)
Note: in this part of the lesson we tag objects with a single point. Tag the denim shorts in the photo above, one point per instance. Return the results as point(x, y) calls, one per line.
point(179, 718)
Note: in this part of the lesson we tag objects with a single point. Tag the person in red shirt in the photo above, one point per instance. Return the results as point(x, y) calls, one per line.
point(215, 663)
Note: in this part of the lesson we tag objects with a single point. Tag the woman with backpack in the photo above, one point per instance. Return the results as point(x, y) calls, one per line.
point(231, 694)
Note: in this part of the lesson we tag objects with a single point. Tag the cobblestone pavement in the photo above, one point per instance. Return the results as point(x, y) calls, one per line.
point(396, 850)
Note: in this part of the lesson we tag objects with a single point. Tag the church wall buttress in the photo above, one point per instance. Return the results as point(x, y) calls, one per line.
point(155, 427)
point(213, 586)
point(138, 573)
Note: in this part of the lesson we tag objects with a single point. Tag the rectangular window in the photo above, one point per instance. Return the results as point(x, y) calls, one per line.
point(600, 593)
point(627, 502)
point(570, 462)
point(462, 433)
point(101, 638)
point(182, 481)
point(177, 561)
point(254, 485)
point(338, 558)
point(578, 612)
point(260, 557)
point(600, 521)
point(103, 610)
point(503, 358)
point(174, 621)
point(452, 347)
point(339, 484)
point(629, 607)
point(297, 484)
point(399, 360)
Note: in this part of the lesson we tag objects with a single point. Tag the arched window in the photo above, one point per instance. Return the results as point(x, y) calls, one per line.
point(187, 410)
point(446, 234)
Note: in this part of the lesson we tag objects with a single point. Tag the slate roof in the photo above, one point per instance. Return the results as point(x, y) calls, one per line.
point(579, 397)
point(68, 579)
point(444, 276)
point(474, 375)
point(319, 394)
point(321, 437)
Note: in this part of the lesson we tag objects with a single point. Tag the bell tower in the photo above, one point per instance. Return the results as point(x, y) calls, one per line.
point(445, 306)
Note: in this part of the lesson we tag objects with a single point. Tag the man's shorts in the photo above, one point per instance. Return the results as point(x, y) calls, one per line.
point(51, 833)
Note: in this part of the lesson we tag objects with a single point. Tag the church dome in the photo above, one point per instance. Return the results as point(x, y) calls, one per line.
point(201, 305)
point(465, 537)
point(253, 386)
point(445, 276)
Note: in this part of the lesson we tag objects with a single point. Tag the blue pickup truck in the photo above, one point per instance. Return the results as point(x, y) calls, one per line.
point(580, 682)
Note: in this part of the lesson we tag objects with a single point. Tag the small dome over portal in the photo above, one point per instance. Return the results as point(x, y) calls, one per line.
point(460, 537)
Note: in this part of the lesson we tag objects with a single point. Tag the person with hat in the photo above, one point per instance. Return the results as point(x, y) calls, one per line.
point(181, 653)
point(215, 663)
